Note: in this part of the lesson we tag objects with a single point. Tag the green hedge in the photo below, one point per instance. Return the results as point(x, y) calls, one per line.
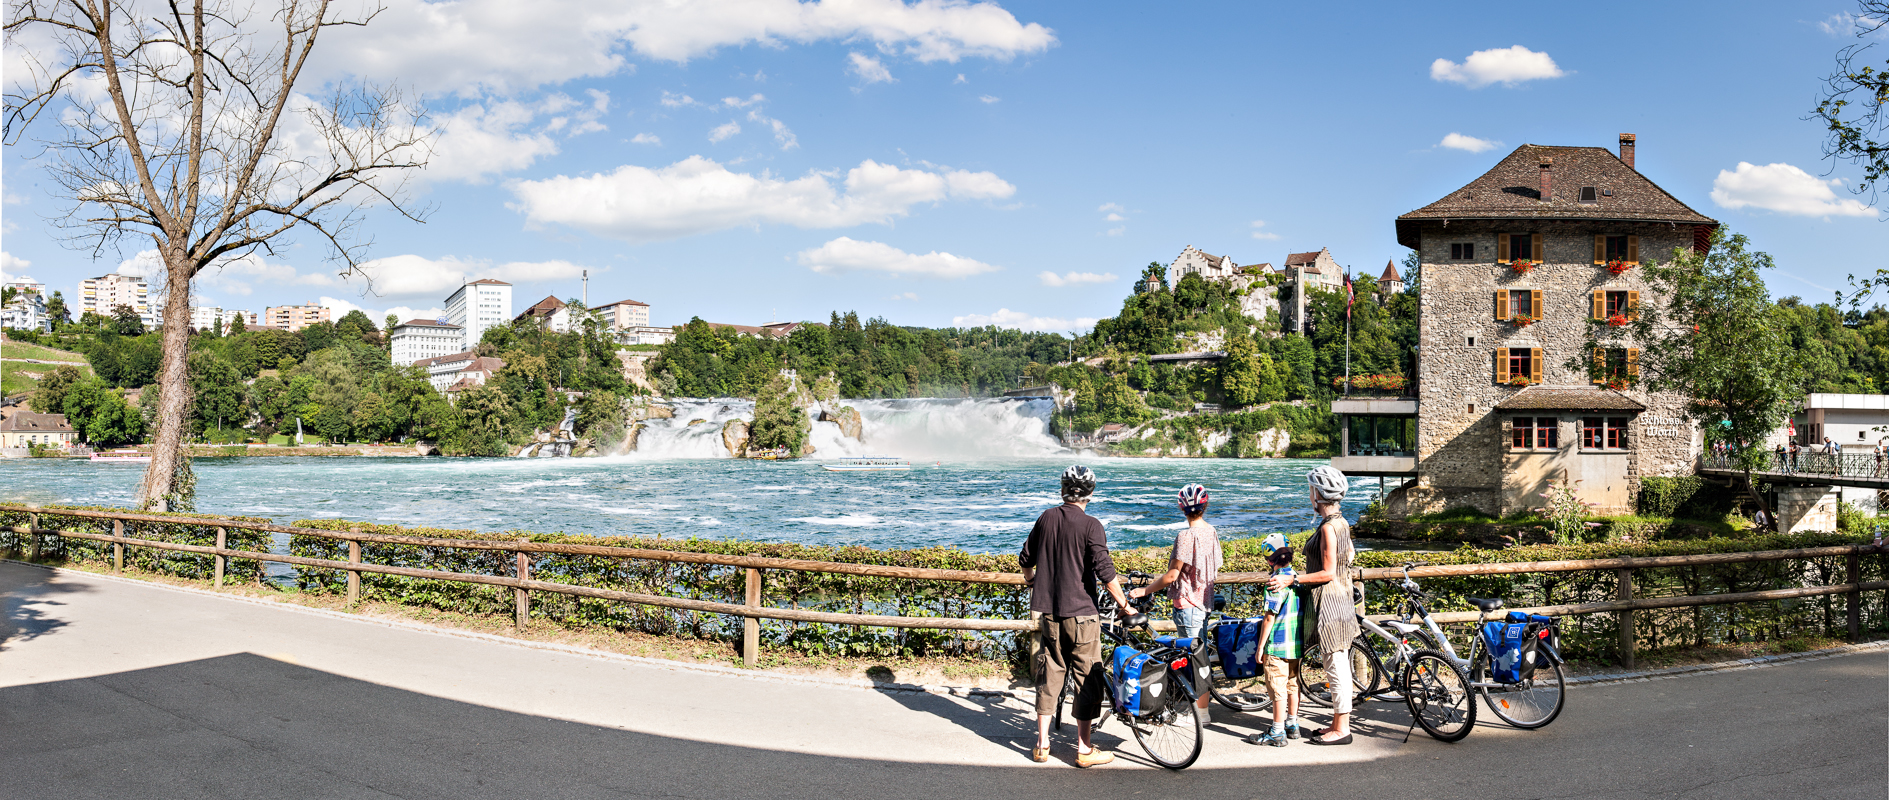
point(1687, 496)
point(57, 549)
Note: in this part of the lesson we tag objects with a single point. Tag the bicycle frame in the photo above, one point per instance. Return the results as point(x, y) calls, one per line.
point(1414, 601)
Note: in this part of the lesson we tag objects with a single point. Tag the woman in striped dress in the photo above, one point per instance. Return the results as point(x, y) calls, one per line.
point(1328, 559)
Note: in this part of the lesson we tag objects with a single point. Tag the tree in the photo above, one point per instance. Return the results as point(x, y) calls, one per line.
point(125, 321)
point(167, 126)
point(1713, 335)
point(1242, 377)
point(216, 392)
point(1862, 92)
point(355, 325)
point(100, 416)
point(778, 423)
point(49, 396)
point(57, 311)
point(236, 324)
point(393, 321)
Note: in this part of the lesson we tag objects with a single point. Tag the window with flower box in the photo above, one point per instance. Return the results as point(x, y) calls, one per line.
point(1610, 304)
point(1616, 367)
point(1535, 433)
point(1518, 366)
point(1608, 249)
point(1512, 247)
point(1518, 304)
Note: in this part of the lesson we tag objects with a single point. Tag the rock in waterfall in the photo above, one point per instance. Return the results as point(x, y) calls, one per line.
point(734, 436)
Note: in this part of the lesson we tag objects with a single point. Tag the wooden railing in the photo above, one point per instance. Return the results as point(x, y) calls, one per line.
point(752, 610)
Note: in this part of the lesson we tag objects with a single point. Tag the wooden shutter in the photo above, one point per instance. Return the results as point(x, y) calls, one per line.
point(1633, 363)
point(1535, 241)
point(1600, 304)
point(1534, 365)
point(1598, 370)
point(1633, 249)
point(1600, 248)
point(1501, 304)
point(1501, 248)
point(1633, 304)
point(1534, 304)
point(1501, 365)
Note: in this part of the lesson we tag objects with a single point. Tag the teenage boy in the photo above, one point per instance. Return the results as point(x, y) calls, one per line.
point(1279, 657)
point(1064, 559)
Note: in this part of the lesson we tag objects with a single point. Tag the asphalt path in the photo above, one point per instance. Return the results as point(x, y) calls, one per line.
point(115, 689)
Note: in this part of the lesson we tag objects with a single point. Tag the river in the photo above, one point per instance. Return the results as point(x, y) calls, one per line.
point(982, 472)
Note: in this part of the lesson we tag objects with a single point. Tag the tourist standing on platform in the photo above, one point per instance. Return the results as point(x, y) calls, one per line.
point(1280, 646)
point(1193, 566)
point(1328, 558)
point(1064, 559)
point(1783, 458)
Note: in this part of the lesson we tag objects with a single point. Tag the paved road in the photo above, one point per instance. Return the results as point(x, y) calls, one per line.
point(111, 689)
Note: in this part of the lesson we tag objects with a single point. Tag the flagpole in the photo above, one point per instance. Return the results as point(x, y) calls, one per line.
point(1349, 299)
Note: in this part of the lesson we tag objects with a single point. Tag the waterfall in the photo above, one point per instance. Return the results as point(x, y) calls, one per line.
point(918, 429)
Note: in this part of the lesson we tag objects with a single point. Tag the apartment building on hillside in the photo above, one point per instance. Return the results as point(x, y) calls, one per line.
point(295, 318)
point(420, 339)
point(555, 314)
point(1509, 400)
point(105, 293)
point(478, 305)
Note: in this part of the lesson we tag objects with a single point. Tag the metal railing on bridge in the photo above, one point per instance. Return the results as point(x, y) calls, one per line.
point(1807, 464)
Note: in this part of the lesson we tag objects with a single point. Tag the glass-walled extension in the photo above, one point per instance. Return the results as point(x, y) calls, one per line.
point(1376, 437)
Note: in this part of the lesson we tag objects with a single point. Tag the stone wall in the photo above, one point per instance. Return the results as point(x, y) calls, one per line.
point(1461, 441)
point(1806, 508)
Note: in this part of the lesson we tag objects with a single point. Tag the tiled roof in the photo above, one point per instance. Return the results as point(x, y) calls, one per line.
point(1546, 398)
point(426, 323)
point(1390, 272)
point(25, 421)
point(622, 303)
point(487, 280)
point(464, 355)
point(1512, 190)
point(1296, 259)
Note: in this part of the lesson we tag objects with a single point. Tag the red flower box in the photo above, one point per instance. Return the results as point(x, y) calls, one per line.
point(1617, 267)
point(1618, 320)
point(1522, 266)
point(1523, 322)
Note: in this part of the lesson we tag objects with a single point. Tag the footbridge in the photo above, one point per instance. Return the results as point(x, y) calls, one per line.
point(113, 688)
point(1858, 470)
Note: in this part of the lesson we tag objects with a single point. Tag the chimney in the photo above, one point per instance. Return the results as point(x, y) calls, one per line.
point(1547, 179)
point(1626, 149)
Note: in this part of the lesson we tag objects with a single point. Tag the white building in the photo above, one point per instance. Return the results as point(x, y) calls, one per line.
point(645, 334)
point(251, 321)
point(554, 313)
point(1192, 261)
point(624, 315)
point(459, 370)
point(1304, 273)
point(476, 306)
point(203, 318)
point(420, 339)
point(104, 293)
point(28, 309)
point(295, 318)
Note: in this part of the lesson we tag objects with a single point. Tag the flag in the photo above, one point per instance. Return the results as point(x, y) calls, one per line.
point(1351, 296)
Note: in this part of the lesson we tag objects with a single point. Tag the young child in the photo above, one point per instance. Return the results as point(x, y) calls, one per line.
point(1279, 653)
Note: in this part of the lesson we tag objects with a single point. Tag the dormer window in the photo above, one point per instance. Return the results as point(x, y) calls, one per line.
point(1589, 195)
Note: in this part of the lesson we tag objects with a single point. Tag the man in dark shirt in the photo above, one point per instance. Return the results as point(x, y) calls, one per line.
point(1064, 559)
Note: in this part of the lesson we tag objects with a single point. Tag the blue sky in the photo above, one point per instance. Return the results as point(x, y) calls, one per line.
point(930, 163)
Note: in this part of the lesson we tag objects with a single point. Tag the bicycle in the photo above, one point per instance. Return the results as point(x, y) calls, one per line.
point(1170, 730)
point(1438, 685)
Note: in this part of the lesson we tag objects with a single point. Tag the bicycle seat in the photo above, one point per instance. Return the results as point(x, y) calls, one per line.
point(1401, 627)
point(1485, 605)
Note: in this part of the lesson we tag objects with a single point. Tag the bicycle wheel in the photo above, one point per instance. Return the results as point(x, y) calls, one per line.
point(1438, 695)
point(1239, 694)
point(1367, 676)
point(1172, 735)
point(1530, 704)
point(1393, 659)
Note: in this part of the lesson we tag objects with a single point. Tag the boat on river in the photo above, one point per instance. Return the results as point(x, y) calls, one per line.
point(868, 464)
point(121, 455)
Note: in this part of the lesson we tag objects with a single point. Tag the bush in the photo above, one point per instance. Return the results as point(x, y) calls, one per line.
point(1854, 520)
point(169, 562)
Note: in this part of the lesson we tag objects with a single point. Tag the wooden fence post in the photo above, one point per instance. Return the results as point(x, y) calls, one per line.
point(354, 575)
point(1854, 600)
point(32, 537)
point(751, 626)
point(222, 543)
point(1628, 638)
point(118, 547)
point(521, 597)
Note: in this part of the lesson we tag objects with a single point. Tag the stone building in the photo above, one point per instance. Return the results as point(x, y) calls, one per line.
point(1192, 261)
point(1389, 283)
point(1515, 270)
point(1305, 272)
point(1250, 282)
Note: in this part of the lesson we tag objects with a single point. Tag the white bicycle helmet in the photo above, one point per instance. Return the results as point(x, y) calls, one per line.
point(1078, 482)
point(1193, 499)
point(1328, 483)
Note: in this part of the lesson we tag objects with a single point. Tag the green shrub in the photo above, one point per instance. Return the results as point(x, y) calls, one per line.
point(57, 549)
point(1685, 496)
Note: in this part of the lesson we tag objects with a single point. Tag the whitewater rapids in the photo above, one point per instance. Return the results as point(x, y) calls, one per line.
point(919, 429)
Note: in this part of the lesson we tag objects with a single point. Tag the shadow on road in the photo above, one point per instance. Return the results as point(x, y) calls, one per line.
point(28, 610)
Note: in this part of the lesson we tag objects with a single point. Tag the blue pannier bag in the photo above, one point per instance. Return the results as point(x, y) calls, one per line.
point(1541, 631)
point(1138, 681)
point(1506, 642)
point(1237, 642)
point(1196, 661)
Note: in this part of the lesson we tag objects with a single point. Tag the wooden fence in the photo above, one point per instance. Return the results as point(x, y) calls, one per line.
point(752, 609)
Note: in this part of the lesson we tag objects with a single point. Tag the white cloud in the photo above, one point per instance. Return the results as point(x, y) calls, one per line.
point(736, 102)
point(849, 255)
point(340, 308)
point(1005, 318)
point(416, 277)
point(960, 79)
point(1845, 23)
point(1264, 236)
point(146, 264)
point(1114, 213)
point(481, 140)
point(1074, 278)
point(868, 69)
point(904, 296)
point(12, 265)
point(677, 100)
point(506, 46)
point(1110, 207)
point(724, 131)
point(785, 137)
point(1457, 141)
point(646, 138)
point(1784, 189)
point(697, 195)
point(1507, 66)
point(987, 99)
point(241, 275)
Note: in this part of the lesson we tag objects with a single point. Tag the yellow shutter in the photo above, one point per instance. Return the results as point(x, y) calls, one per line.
point(1600, 248)
point(1598, 371)
point(1600, 304)
point(1536, 248)
point(1501, 365)
point(1501, 248)
point(1534, 365)
point(1501, 304)
point(1633, 363)
point(1633, 304)
point(1534, 304)
point(1633, 249)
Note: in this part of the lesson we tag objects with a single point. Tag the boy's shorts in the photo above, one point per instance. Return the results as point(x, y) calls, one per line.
point(1279, 672)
